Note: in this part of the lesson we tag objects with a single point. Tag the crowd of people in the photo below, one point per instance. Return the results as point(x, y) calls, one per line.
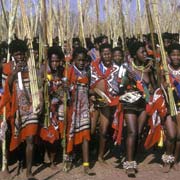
point(91, 96)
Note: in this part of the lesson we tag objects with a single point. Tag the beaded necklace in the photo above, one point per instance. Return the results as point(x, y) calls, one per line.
point(139, 68)
point(174, 72)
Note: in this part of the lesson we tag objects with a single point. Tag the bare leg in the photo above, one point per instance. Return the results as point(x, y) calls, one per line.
point(170, 131)
point(131, 121)
point(51, 148)
point(132, 132)
point(94, 118)
point(141, 121)
point(104, 124)
point(85, 150)
point(29, 155)
point(177, 148)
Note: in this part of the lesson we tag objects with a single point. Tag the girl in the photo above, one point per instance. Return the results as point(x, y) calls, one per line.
point(52, 130)
point(172, 124)
point(138, 81)
point(78, 116)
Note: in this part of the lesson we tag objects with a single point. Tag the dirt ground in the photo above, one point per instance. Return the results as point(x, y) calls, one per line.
point(149, 168)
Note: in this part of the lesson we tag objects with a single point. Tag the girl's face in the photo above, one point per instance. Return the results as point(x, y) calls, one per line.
point(118, 57)
point(175, 57)
point(19, 58)
point(141, 55)
point(106, 57)
point(80, 61)
point(55, 62)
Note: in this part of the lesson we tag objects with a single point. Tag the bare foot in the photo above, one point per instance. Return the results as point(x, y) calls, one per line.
point(88, 171)
point(101, 160)
point(53, 166)
point(166, 168)
point(46, 158)
point(31, 177)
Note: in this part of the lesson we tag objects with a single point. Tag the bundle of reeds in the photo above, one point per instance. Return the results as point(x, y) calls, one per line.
point(171, 102)
point(10, 27)
point(31, 61)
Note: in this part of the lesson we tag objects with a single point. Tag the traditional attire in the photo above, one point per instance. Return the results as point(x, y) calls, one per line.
point(55, 113)
point(78, 112)
point(138, 98)
point(175, 84)
point(106, 80)
point(18, 103)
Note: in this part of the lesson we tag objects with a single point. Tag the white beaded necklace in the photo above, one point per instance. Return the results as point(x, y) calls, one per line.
point(174, 72)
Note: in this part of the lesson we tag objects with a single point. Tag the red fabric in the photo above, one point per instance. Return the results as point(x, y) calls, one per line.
point(9, 101)
point(85, 134)
point(50, 134)
point(29, 130)
point(155, 130)
point(95, 64)
point(153, 136)
point(158, 105)
point(118, 127)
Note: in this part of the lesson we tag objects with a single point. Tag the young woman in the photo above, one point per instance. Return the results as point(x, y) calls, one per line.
point(78, 113)
point(172, 124)
point(138, 83)
point(17, 98)
point(52, 130)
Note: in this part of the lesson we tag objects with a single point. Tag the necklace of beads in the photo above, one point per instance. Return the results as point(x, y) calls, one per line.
point(174, 72)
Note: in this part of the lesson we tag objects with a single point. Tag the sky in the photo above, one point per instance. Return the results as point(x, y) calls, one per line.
point(101, 5)
point(73, 5)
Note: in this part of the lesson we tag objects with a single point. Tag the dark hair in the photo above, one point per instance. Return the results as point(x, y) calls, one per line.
point(105, 46)
point(133, 48)
point(172, 47)
point(76, 39)
point(97, 40)
point(167, 35)
point(17, 45)
point(55, 50)
point(79, 50)
point(117, 49)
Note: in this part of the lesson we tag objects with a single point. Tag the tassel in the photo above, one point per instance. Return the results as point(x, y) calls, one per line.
point(160, 143)
point(139, 86)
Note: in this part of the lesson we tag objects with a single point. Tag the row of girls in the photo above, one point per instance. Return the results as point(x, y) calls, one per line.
point(81, 90)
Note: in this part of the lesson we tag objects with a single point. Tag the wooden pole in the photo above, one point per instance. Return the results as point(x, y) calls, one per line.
point(50, 25)
point(151, 27)
point(173, 110)
point(4, 149)
point(97, 17)
point(122, 25)
point(82, 36)
point(12, 15)
point(139, 18)
point(4, 13)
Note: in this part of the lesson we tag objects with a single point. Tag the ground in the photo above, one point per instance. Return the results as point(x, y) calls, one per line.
point(149, 168)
